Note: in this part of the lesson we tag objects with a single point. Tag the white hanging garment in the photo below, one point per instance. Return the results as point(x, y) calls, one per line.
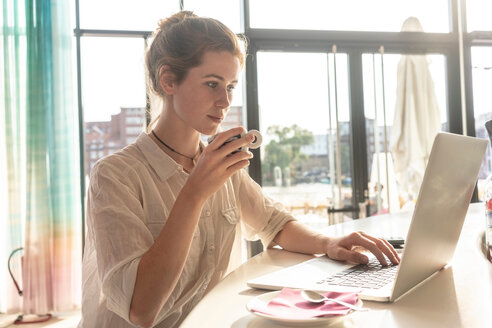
point(416, 119)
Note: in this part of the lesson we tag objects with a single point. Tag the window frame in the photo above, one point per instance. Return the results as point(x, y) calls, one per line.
point(78, 34)
point(355, 44)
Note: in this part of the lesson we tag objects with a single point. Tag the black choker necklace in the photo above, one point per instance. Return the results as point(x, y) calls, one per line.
point(177, 152)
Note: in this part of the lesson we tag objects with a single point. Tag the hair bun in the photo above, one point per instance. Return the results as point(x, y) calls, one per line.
point(175, 19)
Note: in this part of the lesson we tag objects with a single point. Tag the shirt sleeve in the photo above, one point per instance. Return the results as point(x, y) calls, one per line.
point(261, 216)
point(115, 219)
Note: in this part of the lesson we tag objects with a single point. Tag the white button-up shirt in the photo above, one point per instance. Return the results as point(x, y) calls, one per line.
point(130, 196)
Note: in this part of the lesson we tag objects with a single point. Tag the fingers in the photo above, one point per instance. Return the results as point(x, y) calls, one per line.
point(211, 172)
point(395, 259)
point(359, 239)
point(219, 139)
point(237, 157)
point(378, 246)
point(230, 141)
point(217, 163)
point(384, 247)
point(351, 256)
point(237, 166)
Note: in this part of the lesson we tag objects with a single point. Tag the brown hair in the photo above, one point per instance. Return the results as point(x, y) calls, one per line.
point(180, 42)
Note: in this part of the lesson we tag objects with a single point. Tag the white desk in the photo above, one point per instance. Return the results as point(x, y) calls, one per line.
point(459, 296)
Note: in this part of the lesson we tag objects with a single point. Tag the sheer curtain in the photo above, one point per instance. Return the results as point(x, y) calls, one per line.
point(12, 145)
point(40, 143)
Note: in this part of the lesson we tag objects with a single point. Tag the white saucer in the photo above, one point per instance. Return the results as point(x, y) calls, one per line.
point(263, 299)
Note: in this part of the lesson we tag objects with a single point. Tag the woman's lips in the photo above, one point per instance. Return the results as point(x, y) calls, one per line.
point(216, 119)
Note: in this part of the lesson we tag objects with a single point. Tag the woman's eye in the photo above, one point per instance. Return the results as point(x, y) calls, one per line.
point(231, 88)
point(212, 85)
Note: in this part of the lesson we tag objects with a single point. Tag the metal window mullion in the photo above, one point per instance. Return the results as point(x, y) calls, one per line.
point(376, 137)
point(253, 122)
point(358, 130)
point(453, 87)
point(245, 23)
point(252, 117)
point(385, 131)
point(330, 150)
point(81, 120)
point(338, 148)
point(114, 33)
point(468, 76)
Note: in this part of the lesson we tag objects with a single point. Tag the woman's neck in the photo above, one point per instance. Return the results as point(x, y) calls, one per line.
point(178, 141)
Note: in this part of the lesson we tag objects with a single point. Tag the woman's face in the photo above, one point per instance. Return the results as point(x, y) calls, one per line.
point(203, 98)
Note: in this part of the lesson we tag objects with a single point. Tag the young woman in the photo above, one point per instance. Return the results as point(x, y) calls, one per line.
point(165, 214)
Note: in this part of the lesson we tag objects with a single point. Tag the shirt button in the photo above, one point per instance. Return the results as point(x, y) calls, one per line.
point(211, 248)
point(207, 213)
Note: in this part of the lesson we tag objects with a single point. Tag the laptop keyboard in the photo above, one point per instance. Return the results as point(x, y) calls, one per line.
point(372, 275)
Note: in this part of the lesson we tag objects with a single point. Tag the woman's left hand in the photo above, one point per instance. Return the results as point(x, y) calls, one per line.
point(347, 248)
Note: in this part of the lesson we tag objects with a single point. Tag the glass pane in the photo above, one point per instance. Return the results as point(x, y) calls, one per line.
point(478, 15)
point(140, 15)
point(301, 163)
point(113, 94)
point(349, 15)
point(389, 81)
point(227, 11)
point(482, 100)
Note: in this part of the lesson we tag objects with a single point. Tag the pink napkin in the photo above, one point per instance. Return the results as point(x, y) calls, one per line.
point(290, 304)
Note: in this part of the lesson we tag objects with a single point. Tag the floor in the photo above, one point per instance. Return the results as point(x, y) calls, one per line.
point(60, 320)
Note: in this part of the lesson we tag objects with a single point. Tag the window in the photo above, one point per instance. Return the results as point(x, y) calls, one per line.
point(290, 33)
point(113, 90)
point(382, 75)
point(478, 15)
point(306, 161)
point(291, 80)
point(140, 15)
point(348, 15)
point(227, 11)
point(482, 103)
point(134, 120)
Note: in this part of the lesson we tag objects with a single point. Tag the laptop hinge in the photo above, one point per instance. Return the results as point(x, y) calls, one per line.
point(417, 285)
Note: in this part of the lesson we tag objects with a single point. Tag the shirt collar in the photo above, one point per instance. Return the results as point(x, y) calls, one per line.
point(161, 162)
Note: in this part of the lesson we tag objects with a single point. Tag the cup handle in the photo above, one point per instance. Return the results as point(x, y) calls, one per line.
point(256, 143)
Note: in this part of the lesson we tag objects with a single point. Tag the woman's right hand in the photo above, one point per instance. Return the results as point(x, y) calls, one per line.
point(217, 163)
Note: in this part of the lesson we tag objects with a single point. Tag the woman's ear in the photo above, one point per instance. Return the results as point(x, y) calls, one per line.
point(167, 80)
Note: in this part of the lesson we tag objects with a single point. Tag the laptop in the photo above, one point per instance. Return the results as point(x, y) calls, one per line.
point(437, 220)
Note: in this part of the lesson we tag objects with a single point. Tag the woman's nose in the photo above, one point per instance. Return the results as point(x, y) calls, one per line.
point(224, 99)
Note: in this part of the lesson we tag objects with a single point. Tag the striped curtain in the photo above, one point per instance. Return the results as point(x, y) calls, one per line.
point(42, 157)
point(12, 146)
